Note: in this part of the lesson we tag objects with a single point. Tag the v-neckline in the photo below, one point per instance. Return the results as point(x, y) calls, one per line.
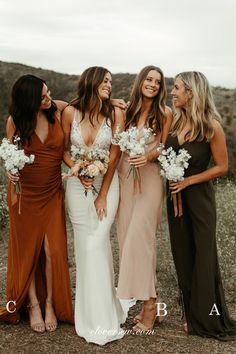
point(187, 141)
point(95, 139)
point(43, 142)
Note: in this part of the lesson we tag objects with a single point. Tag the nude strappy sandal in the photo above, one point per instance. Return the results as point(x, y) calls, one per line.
point(38, 327)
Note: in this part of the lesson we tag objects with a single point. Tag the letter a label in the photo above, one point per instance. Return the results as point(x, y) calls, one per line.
point(214, 311)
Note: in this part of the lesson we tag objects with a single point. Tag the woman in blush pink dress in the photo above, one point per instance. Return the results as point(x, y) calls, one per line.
point(139, 214)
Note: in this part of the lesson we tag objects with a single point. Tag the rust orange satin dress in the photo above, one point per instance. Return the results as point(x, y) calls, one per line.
point(42, 213)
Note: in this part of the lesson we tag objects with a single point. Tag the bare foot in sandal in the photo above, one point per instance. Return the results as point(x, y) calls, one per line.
point(50, 317)
point(36, 320)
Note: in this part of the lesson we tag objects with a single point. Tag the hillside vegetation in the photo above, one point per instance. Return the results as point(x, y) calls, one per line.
point(64, 87)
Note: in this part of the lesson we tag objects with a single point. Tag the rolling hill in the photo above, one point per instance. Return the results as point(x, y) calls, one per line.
point(63, 86)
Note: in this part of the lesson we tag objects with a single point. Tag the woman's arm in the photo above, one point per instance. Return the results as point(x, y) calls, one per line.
point(220, 158)
point(10, 131)
point(61, 105)
point(67, 119)
point(167, 124)
point(10, 128)
point(100, 202)
point(120, 103)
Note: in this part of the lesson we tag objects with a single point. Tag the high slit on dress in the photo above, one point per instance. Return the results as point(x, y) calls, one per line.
point(41, 213)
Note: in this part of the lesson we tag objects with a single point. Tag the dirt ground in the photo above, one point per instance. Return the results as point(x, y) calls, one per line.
point(168, 337)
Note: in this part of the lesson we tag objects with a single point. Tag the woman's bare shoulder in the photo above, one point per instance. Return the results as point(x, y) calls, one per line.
point(168, 111)
point(61, 105)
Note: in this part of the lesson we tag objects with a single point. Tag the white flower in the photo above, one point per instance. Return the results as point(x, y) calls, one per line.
point(172, 165)
point(100, 165)
point(130, 140)
point(14, 158)
point(93, 170)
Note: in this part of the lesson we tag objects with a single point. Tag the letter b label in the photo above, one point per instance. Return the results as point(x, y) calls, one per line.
point(161, 309)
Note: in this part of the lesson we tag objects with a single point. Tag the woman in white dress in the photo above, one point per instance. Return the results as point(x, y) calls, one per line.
point(89, 122)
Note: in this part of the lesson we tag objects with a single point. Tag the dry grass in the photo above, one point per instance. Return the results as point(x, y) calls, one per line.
point(169, 337)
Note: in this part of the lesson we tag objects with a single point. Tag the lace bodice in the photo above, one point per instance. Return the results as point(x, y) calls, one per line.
point(102, 139)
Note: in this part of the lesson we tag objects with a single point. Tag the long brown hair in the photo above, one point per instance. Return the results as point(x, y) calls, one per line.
point(88, 99)
point(157, 111)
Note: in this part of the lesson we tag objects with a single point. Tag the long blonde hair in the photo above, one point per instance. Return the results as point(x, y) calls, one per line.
point(157, 112)
point(201, 110)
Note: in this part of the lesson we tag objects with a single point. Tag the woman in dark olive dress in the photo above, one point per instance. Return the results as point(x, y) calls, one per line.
point(196, 128)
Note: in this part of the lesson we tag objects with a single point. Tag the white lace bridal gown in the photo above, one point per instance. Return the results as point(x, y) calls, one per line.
point(98, 313)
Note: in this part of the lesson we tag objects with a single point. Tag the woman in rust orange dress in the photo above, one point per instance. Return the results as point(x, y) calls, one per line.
point(37, 273)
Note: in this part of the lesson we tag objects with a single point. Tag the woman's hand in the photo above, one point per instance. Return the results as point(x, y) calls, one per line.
point(101, 206)
point(74, 170)
point(138, 161)
point(86, 182)
point(116, 102)
point(13, 178)
point(176, 187)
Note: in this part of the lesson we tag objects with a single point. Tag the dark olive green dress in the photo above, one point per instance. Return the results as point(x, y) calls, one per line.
point(193, 243)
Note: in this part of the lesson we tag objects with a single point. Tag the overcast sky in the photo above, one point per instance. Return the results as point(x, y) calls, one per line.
point(124, 35)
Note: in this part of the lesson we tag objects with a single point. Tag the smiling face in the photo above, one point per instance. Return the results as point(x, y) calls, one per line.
point(181, 95)
point(46, 99)
point(151, 84)
point(104, 89)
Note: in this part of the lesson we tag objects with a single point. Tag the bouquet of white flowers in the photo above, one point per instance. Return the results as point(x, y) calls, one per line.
point(91, 162)
point(15, 160)
point(14, 157)
point(132, 143)
point(172, 167)
point(130, 140)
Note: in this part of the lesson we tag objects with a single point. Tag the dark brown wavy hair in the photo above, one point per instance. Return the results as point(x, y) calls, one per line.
point(157, 111)
point(88, 99)
point(25, 104)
